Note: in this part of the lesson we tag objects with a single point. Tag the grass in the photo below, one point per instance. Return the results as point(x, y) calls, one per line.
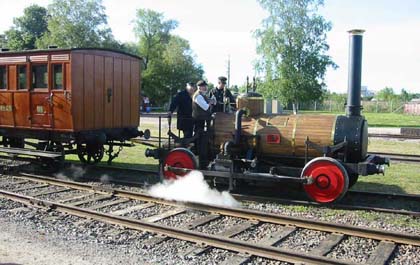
point(399, 178)
point(382, 119)
point(394, 146)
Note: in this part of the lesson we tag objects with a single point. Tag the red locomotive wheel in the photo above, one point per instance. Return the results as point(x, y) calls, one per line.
point(178, 157)
point(331, 181)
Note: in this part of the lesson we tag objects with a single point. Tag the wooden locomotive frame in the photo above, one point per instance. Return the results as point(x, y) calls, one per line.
point(70, 100)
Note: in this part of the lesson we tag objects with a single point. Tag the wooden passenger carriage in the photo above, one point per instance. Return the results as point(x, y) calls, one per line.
point(88, 97)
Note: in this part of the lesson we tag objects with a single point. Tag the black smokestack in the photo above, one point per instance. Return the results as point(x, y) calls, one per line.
point(355, 73)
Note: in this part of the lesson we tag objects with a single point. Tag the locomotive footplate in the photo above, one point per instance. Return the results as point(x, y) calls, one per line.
point(245, 175)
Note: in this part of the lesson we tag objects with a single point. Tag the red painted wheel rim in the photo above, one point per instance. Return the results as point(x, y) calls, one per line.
point(178, 158)
point(329, 181)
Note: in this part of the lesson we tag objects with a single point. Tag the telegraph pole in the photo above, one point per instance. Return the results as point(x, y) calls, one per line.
point(228, 72)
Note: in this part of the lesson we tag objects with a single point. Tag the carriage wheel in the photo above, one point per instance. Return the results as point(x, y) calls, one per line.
point(13, 142)
point(90, 154)
point(178, 157)
point(330, 180)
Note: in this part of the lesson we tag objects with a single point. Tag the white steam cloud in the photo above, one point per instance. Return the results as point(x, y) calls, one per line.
point(72, 173)
point(192, 188)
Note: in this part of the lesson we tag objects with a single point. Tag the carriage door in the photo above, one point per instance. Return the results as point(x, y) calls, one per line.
point(61, 95)
point(41, 98)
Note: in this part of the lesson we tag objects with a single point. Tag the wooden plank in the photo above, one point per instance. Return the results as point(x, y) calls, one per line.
point(73, 198)
point(237, 259)
point(48, 192)
point(94, 199)
point(125, 99)
point(21, 109)
point(135, 93)
point(117, 96)
point(13, 183)
point(36, 186)
point(77, 101)
point(133, 208)
point(107, 204)
point(108, 92)
point(89, 93)
point(382, 253)
point(164, 215)
point(12, 77)
point(99, 92)
point(328, 244)
point(150, 242)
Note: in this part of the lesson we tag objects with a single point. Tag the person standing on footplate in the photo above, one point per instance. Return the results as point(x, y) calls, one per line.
point(223, 96)
point(201, 106)
point(183, 103)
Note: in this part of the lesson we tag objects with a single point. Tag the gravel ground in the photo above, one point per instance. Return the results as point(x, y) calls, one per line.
point(382, 221)
point(219, 225)
point(407, 255)
point(260, 232)
point(355, 249)
point(154, 210)
point(181, 219)
point(303, 240)
point(262, 261)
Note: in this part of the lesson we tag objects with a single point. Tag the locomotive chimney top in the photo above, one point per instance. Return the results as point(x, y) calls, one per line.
point(355, 73)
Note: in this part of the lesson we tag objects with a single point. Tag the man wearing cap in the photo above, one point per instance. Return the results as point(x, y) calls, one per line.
point(201, 106)
point(223, 96)
point(182, 102)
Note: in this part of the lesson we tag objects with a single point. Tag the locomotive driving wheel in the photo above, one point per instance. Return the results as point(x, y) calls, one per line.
point(180, 158)
point(330, 180)
point(90, 153)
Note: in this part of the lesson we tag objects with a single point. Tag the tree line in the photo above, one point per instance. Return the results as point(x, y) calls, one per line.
point(169, 62)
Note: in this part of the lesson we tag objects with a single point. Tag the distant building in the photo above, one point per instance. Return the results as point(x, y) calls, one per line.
point(365, 92)
point(412, 107)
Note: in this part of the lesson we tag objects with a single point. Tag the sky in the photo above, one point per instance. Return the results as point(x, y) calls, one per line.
point(220, 29)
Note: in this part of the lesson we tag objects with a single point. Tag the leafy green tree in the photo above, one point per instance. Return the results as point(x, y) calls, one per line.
point(153, 32)
point(3, 41)
point(292, 47)
point(386, 94)
point(405, 96)
point(27, 28)
point(169, 60)
point(78, 23)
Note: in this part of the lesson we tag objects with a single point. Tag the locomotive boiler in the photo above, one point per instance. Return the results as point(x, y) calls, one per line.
point(325, 153)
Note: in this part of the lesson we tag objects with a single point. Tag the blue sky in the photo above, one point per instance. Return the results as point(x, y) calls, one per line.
point(219, 28)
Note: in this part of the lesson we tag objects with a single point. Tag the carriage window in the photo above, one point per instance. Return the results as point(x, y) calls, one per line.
point(40, 76)
point(3, 77)
point(58, 76)
point(22, 76)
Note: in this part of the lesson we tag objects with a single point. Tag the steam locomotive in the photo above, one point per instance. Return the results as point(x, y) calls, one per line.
point(324, 153)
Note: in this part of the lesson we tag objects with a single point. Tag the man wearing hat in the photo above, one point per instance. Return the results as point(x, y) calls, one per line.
point(182, 102)
point(223, 96)
point(201, 106)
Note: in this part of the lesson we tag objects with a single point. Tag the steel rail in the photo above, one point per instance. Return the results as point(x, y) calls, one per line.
point(401, 238)
point(396, 136)
point(399, 157)
point(182, 234)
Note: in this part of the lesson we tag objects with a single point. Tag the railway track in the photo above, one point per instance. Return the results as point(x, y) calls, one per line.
point(406, 204)
point(399, 157)
point(86, 201)
point(394, 136)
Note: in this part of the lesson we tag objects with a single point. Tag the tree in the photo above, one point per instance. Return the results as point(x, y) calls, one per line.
point(27, 28)
point(170, 62)
point(405, 96)
point(3, 41)
point(292, 47)
point(78, 23)
point(170, 70)
point(153, 32)
point(386, 94)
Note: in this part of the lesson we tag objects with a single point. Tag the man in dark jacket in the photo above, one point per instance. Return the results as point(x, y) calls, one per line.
point(182, 101)
point(223, 96)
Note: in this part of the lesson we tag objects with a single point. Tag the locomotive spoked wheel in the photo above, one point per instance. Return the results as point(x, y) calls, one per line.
point(90, 154)
point(330, 180)
point(178, 157)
